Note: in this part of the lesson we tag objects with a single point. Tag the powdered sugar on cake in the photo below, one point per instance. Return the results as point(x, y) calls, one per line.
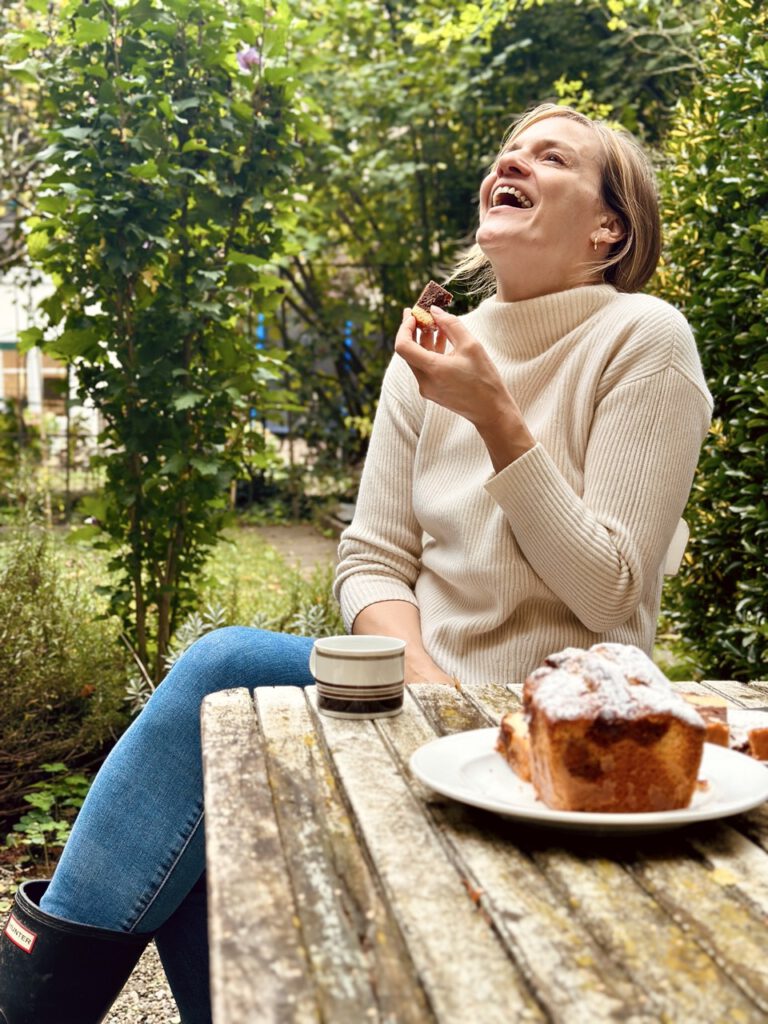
point(576, 683)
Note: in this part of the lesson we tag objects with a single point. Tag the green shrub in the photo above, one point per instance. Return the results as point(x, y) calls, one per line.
point(53, 804)
point(717, 202)
point(166, 202)
point(62, 668)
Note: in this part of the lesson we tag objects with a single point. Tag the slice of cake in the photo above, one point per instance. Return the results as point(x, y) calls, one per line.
point(433, 295)
point(608, 733)
point(749, 732)
point(514, 743)
point(714, 713)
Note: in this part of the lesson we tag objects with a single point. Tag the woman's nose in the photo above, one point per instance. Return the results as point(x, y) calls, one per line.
point(513, 160)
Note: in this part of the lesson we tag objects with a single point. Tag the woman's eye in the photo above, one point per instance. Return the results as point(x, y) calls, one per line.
point(554, 156)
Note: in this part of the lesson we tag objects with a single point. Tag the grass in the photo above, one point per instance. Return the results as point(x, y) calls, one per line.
point(245, 576)
point(251, 579)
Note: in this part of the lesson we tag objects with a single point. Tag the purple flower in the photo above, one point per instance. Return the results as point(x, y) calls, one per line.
point(248, 58)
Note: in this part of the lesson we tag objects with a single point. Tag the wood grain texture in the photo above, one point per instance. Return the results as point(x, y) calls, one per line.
point(343, 890)
point(259, 968)
point(360, 965)
point(465, 970)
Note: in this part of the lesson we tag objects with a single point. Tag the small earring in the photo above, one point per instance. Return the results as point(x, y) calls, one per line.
point(594, 242)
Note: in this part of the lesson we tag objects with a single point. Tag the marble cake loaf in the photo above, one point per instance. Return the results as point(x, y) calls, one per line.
point(606, 733)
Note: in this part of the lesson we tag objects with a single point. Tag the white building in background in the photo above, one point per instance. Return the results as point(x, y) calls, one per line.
point(38, 380)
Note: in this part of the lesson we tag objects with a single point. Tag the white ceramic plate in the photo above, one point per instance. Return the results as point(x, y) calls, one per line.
point(466, 767)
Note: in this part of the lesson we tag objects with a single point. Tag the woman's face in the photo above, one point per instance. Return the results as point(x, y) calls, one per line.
point(541, 207)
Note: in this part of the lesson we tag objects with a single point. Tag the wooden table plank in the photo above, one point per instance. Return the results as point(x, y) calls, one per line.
point(257, 958)
point(463, 966)
point(570, 975)
point(683, 981)
point(360, 965)
point(728, 929)
point(735, 861)
point(746, 695)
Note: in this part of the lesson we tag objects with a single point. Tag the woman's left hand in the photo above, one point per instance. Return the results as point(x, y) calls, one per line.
point(465, 380)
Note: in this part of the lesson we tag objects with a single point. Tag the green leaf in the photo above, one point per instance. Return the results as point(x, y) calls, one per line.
point(194, 146)
point(179, 106)
point(188, 400)
point(205, 467)
point(29, 338)
point(175, 464)
point(53, 204)
point(83, 533)
point(145, 171)
point(73, 342)
point(75, 132)
point(87, 31)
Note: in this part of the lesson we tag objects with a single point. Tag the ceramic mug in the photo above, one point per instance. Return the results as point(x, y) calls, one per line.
point(358, 676)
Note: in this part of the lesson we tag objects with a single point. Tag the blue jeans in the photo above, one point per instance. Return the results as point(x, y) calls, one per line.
point(136, 852)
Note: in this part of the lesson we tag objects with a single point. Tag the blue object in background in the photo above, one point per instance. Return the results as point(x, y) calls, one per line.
point(347, 355)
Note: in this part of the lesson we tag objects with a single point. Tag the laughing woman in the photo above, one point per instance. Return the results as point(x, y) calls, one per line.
point(530, 462)
point(528, 467)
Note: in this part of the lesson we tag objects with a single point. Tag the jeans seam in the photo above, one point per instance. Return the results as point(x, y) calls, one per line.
point(168, 873)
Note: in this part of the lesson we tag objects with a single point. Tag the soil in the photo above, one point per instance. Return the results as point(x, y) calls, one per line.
point(146, 998)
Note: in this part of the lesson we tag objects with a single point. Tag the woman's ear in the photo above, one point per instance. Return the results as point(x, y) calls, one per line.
point(611, 229)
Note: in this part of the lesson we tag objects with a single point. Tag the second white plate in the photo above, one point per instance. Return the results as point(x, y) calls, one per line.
point(466, 767)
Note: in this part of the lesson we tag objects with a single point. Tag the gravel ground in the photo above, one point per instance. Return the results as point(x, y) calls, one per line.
point(146, 998)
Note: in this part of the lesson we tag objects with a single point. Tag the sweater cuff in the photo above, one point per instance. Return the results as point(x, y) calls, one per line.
point(357, 592)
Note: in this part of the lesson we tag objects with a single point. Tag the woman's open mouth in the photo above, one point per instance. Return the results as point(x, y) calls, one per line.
point(508, 195)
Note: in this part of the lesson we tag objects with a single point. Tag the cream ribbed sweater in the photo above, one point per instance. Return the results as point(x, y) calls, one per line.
point(564, 546)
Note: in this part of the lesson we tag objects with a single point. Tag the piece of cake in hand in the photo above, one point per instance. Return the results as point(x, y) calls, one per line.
point(609, 734)
point(433, 295)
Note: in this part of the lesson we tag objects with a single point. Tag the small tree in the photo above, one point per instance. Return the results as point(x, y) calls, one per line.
point(163, 204)
point(717, 202)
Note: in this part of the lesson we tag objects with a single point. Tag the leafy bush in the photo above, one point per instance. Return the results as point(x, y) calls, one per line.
point(53, 802)
point(717, 202)
point(62, 671)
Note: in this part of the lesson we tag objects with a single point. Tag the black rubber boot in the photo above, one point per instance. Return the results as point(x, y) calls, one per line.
point(182, 943)
point(56, 972)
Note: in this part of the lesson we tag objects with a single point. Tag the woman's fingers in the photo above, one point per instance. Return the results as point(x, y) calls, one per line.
point(432, 339)
point(450, 327)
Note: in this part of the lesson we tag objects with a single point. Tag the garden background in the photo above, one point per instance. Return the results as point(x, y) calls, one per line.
point(229, 202)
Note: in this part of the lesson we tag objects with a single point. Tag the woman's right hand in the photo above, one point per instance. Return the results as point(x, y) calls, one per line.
point(465, 380)
point(401, 619)
point(424, 670)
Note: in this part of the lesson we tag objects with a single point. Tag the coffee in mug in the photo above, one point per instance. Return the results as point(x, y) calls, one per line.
point(358, 676)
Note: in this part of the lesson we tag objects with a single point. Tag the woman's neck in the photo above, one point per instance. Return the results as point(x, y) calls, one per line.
point(518, 287)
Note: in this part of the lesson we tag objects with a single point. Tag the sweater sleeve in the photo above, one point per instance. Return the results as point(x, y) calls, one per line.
point(380, 551)
point(596, 550)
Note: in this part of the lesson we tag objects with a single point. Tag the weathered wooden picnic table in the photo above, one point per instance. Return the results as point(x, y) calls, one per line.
point(341, 890)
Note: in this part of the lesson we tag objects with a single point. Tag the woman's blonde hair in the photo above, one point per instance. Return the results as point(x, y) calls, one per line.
point(628, 188)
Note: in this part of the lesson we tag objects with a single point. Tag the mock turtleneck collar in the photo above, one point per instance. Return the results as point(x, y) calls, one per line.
point(528, 327)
